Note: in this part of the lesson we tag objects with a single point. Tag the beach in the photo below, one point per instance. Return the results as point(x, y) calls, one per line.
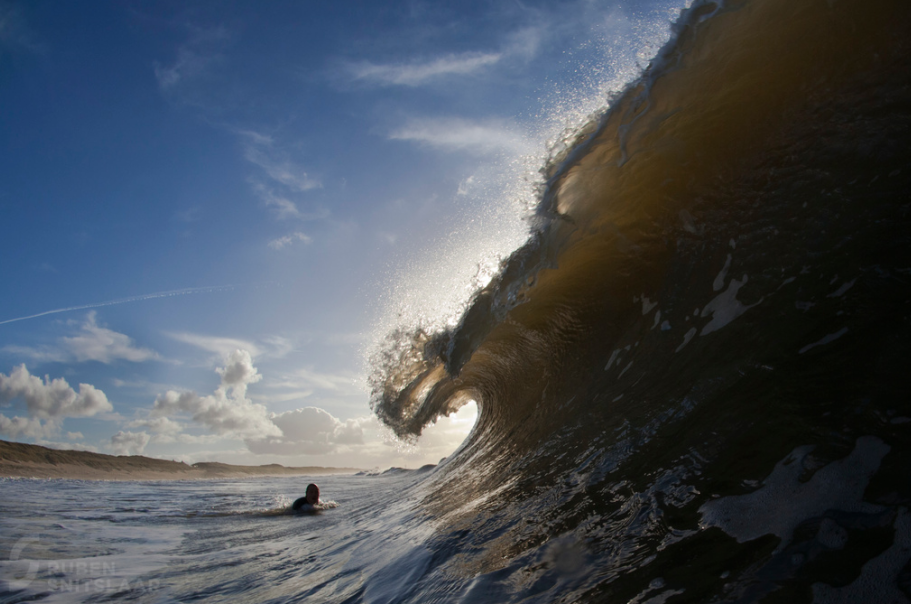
point(19, 460)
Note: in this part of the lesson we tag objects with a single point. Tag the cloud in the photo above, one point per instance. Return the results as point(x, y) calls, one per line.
point(522, 45)
point(286, 177)
point(274, 347)
point(260, 152)
point(417, 73)
point(158, 425)
point(129, 443)
point(188, 215)
point(219, 345)
point(29, 427)
point(15, 34)
point(456, 134)
point(97, 343)
point(283, 242)
point(47, 402)
point(281, 205)
point(194, 60)
point(310, 431)
point(92, 343)
point(309, 379)
point(51, 399)
point(227, 412)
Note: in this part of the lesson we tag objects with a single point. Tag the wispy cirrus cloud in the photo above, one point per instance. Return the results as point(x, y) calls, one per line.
point(417, 73)
point(308, 379)
point(457, 134)
point(15, 34)
point(216, 344)
point(281, 179)
point(260, 151)
point(522, 45)
point(183, 79)
point(283, 242)
point(274, 347)
point(92, 342)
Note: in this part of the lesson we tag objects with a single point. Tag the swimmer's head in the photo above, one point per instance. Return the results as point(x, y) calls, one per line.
point(312, 494)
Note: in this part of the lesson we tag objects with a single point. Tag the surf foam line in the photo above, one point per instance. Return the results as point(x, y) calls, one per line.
point(140, 298)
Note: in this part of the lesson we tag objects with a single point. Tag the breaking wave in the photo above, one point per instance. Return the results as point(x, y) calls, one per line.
point(690, 377)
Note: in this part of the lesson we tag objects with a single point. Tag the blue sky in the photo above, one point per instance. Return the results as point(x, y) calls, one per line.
point(212, 211)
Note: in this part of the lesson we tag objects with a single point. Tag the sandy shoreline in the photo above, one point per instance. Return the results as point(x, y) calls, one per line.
point(19, 460)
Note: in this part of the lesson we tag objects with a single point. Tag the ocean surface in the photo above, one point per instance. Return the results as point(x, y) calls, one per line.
point(691, 380)
point(213, 540)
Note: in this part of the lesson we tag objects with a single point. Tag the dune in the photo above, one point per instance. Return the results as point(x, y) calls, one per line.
point(34, 461)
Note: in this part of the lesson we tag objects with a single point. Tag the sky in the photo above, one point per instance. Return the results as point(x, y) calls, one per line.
point(214, 212)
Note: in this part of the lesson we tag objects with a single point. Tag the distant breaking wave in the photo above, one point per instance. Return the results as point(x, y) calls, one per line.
point(693, 372)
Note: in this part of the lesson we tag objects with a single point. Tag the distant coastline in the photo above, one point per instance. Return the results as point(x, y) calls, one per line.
point(20, 460)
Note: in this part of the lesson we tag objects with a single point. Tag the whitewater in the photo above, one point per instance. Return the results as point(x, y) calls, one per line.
point(211, 540)
point(690, 369)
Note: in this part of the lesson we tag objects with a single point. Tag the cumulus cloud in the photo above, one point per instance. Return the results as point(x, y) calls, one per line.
point(51, 399)
point(227, 411)
point(129, 443)
point(47, 403)
point(91, 343)
point(311, 431)
point(283, 242)
point(456, 134)
point(29, 427)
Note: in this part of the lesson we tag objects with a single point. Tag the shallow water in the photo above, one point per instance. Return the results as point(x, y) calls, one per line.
point(691, 381)
point(212, 540)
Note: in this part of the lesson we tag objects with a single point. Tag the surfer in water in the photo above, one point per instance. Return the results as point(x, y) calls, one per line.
point(308, 502)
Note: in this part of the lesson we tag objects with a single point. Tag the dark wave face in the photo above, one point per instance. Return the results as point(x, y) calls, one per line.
point(691, 381)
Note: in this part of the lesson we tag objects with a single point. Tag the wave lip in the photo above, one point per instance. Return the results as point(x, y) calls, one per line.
point(719, 283)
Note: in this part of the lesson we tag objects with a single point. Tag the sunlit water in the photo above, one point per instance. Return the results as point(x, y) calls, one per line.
point(212, 541)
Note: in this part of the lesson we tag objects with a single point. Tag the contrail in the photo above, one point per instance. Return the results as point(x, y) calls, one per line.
point(175, 292)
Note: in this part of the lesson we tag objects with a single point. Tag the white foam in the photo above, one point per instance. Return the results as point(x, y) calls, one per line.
point(841, 290)
point(829, 338)
point(647, 305)
point(657, 318)
point(686, 338)
point(784, 502)
point(613, 357)
point(725, 307)
point(876, 582)
point(719, 280)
